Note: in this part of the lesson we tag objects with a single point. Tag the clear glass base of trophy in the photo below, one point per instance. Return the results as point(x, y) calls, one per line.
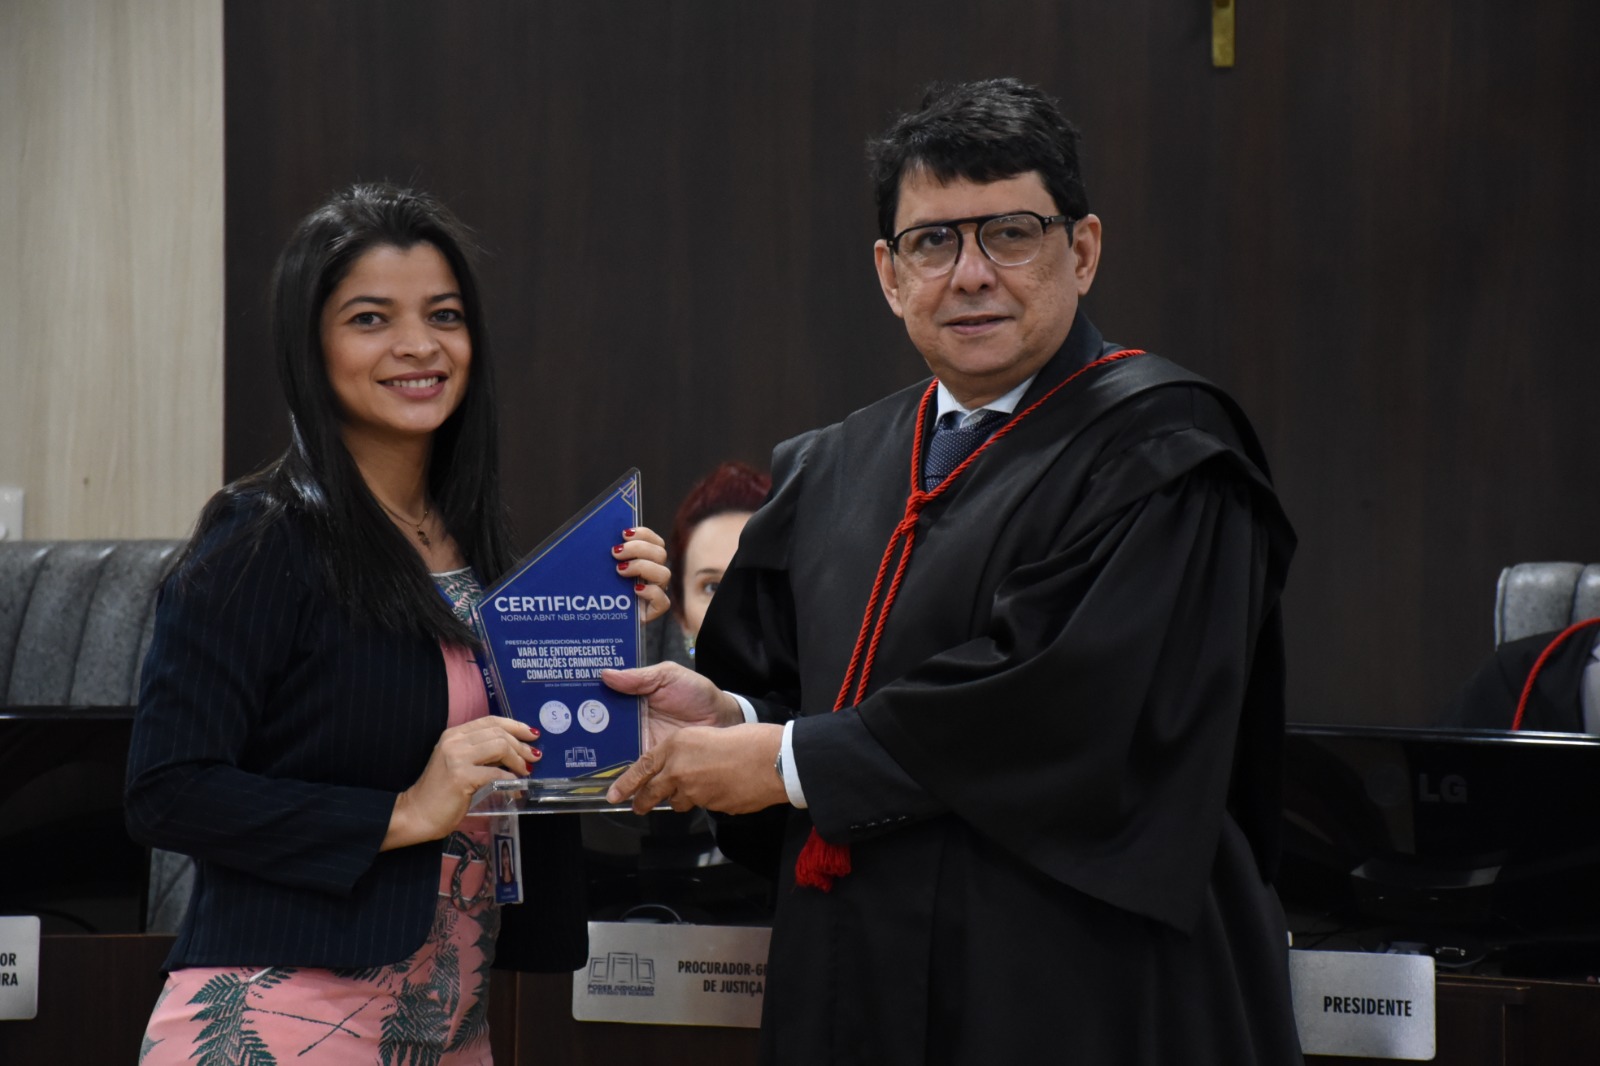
point(531, 796)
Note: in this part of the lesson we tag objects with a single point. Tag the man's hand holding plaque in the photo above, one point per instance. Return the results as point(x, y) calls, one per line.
point(702, 752)
point(678, 698)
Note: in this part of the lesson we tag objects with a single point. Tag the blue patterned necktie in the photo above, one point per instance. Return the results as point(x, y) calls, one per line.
point(952, 443)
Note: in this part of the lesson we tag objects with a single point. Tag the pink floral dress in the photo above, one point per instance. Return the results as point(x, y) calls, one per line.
point(427, 1010)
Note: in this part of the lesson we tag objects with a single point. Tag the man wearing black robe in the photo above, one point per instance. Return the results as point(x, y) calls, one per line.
point(1566, 691)
point(1031, 759)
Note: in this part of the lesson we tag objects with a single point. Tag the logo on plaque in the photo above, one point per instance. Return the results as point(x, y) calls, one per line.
point(622, 973)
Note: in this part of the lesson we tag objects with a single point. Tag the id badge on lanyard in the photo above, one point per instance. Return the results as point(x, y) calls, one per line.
point(507, 858)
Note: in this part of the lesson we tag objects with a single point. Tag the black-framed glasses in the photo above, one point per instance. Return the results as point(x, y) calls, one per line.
point(1009, 240)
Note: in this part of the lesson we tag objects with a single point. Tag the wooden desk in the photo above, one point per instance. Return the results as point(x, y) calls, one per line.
point(1499, 1021)
point(95, 993)
point(532, 1025)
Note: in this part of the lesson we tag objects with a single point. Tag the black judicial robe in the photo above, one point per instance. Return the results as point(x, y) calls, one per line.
point(1489, 700)
point(1061, 789)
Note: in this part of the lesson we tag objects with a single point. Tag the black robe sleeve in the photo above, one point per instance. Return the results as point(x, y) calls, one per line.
point(1110, 685)
point(1110, 681)
point(1091, 725)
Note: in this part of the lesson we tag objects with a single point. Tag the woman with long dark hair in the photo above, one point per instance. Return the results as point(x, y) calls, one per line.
point(312, 722)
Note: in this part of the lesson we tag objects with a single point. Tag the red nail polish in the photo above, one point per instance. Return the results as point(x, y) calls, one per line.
point(622, 566)
point(640, 587)
point(627, 532)
point(617, 550)
point(537, 754)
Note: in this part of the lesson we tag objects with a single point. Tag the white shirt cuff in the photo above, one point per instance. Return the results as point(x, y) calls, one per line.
point(791, 775)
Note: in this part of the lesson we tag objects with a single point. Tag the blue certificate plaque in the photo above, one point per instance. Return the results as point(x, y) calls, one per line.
point(549, 627)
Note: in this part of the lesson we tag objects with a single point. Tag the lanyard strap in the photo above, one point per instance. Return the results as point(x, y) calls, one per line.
point(907, 528)
point(478, 652)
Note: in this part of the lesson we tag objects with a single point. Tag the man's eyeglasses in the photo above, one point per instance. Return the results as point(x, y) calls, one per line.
point(1008, 240)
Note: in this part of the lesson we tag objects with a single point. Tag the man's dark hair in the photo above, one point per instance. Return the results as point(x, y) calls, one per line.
point(371, 566)
point(980, 131)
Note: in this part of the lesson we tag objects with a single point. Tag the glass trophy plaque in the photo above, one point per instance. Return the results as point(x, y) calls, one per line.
point(549, 627)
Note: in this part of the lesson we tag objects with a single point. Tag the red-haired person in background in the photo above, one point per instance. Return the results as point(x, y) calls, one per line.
point(705, 534)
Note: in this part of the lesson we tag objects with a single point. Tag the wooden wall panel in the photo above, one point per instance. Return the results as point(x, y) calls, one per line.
point(1377, 230)
point(111, 297)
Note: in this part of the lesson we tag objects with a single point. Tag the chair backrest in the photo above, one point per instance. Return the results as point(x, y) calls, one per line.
point(75, 619)
point(1543, 597)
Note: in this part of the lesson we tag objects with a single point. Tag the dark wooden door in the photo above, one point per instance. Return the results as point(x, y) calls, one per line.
point(1377, 229)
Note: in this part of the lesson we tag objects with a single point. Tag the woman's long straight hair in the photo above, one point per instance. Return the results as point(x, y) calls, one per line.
point(370, 566)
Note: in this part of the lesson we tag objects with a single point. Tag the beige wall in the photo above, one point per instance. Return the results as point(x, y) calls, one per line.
point(111, 269)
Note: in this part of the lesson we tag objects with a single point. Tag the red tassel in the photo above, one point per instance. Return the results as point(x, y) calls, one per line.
point(820, 862)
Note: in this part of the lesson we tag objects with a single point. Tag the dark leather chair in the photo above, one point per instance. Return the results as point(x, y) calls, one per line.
point(75, 620)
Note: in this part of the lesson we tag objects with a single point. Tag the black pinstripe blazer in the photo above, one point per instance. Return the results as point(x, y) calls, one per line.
point(272, 737)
